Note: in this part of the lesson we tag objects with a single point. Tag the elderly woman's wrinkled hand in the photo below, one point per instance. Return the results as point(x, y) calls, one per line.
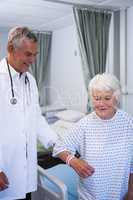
point(3, 181)
point(82, 167)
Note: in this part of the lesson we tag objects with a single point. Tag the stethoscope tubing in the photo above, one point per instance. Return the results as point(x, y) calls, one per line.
point(11, 81)
point(13, 100)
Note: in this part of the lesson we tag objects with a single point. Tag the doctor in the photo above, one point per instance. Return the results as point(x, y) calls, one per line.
point(20, 118)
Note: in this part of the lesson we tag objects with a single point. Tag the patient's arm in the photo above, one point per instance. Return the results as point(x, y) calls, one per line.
point(82, 168)
point(129, 195)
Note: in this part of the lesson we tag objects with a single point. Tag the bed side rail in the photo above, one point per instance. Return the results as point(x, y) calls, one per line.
point(49, 187)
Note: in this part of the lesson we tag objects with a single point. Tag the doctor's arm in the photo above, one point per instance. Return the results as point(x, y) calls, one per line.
point(45, 134)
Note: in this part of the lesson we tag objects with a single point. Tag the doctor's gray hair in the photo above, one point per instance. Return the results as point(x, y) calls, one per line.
point(105, 82)
point(17, 34)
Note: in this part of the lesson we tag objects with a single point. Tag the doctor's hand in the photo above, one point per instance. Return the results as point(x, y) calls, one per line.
point(3, 181)
point(82, 167)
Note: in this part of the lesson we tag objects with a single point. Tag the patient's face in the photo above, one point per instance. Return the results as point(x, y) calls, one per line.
point(104, 104)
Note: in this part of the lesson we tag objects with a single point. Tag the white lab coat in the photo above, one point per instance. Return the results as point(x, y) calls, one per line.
point(20, 124)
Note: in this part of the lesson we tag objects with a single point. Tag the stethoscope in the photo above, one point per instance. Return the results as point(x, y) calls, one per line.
point(13, 99)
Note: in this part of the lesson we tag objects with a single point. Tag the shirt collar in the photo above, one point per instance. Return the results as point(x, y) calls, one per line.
point(4, 69)
point(14, 73)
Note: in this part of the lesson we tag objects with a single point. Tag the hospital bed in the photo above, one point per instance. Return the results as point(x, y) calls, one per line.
point(57, 181)
point(45, 190)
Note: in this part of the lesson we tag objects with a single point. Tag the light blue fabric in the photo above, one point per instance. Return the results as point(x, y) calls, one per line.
point(67, 175)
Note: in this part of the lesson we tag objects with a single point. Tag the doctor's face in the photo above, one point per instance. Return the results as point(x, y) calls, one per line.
point(104, 104)
point(24, 55)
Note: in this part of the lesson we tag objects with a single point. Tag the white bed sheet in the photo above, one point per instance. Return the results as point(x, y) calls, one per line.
point(61, 127)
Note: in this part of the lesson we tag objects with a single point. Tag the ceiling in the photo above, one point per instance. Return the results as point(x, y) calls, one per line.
point(48, 14)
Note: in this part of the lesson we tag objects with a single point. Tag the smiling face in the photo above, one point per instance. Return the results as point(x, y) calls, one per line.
point(104, 104)
point(21, 57)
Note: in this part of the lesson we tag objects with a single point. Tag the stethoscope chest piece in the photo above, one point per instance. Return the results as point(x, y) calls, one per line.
point(13, 101)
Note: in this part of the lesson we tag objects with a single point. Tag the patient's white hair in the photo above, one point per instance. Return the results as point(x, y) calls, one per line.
point(105, 82)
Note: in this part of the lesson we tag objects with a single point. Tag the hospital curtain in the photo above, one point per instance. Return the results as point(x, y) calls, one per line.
point(40, 69)
point(93, 32)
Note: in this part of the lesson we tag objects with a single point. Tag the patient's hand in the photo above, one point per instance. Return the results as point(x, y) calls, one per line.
point(81, 167)
point(3, 181)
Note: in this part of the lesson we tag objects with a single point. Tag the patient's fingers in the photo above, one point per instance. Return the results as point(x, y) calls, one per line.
point(3, 181)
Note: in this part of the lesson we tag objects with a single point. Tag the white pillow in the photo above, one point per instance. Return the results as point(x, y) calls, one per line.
point(70, 115)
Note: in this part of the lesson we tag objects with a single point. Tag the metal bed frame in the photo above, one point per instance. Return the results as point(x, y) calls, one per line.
point(48, 193)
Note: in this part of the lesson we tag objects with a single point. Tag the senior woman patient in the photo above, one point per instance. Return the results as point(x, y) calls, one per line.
point(104, 139)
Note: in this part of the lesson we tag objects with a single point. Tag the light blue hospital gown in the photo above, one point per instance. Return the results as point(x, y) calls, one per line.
point(107, 145)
